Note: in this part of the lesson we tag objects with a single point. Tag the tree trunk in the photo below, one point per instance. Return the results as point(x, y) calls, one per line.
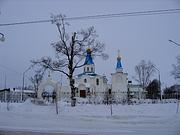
point(73, 99)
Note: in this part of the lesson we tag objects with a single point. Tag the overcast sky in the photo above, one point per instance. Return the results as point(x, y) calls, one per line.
point(137, 37)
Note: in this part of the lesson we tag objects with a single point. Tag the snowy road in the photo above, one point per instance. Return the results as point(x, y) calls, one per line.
point(4, 132)
point(144, 119)
point(139, 132)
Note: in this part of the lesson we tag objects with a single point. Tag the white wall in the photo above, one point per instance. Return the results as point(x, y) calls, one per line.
point(119, 84)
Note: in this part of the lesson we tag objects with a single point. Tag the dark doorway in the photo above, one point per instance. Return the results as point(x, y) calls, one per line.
point(83, 93)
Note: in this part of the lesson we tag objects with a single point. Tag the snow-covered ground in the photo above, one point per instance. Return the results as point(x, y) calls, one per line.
point(142, 119)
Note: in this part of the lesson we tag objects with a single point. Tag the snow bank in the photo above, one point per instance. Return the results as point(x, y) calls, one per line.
point(140, 119)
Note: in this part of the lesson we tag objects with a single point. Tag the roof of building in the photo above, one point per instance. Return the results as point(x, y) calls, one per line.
point(17, 90)
point(88, 60)
point(86, 73)
point(119, 65)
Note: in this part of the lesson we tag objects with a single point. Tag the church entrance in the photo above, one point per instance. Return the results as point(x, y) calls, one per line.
point(49, 94)
point(49, 90)
point(83, 93)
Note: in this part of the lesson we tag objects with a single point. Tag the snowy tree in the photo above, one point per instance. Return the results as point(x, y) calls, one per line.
point(172, 91)
point(36, 79)
point(153, 89)
point(144, 71)
point(176, 69)
point(70, 50)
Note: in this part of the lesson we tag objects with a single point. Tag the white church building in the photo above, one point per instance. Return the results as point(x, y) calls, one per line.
point(90, 84)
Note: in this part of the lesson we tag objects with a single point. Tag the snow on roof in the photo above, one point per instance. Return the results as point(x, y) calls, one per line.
point(25, 91)
point(89, 74)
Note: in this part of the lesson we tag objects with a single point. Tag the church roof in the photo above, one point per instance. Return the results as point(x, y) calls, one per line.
point(89, 74)
point(119, 65)
point(88, 60)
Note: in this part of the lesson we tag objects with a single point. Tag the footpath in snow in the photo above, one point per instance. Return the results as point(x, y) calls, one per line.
point(142, 119)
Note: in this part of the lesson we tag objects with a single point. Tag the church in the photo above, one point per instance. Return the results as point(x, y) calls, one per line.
point(90, 84)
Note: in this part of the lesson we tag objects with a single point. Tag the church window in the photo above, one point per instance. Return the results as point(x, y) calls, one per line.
point(97, 81)
point(91, 69)
point(110, 92)
point(84, 69)
point(85, 80)
point(88, 69)
point(88, 91)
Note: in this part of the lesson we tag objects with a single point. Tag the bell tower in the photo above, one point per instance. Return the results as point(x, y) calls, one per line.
point(119, 80)
point(89, 66)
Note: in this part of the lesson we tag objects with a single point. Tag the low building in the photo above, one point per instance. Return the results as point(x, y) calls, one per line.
point(15, 95)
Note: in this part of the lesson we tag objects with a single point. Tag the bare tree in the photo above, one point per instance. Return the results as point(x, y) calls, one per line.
point(176, 69)
point(37, 79)
point(70, 50)
point(144, 70)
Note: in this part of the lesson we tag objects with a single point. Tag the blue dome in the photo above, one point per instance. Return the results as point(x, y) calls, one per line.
point(88, 60)
point(119, 65)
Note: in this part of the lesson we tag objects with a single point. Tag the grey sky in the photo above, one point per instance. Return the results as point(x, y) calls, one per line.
point(141, 37)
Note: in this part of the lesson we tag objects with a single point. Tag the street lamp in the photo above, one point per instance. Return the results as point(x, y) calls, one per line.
point(176, 85)
point(159, 82)
point(2, 38)
point(174, 42)
point(23, 82)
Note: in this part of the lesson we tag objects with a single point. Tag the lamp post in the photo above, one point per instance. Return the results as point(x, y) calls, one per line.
point(2, 38)
point(22, 91)
point(159, 81)
point(176, 85)
point(174, 42)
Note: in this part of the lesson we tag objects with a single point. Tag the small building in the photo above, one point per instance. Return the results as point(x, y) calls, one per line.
point(136, 91)
point(49, 89)
point(15, 95)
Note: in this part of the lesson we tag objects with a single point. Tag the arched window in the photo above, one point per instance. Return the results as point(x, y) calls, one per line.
point(91, 69)
point(87, 69)
point(84, 69)
point(97, 81)
point(85, 80)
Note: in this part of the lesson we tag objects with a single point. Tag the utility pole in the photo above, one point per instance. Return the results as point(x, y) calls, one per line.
point(159, 80)
point(128, 93)
point(5, 80)
point(23, 82)
point(55, 99)
point(177, 90)
point(177, 96)
point(109, 96)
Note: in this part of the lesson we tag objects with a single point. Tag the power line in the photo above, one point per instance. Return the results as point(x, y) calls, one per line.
point(140, 13)
point(12, 70)
point(28, 22)
point(102, 16)
point(9, 69)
